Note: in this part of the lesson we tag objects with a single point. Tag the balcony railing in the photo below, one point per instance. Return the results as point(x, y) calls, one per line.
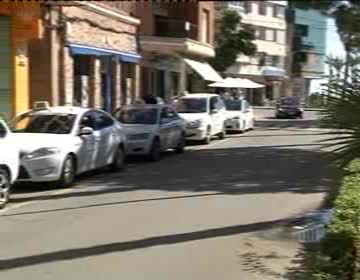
point(175, 28)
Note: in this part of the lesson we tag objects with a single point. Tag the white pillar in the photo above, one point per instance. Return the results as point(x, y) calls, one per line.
point(68, 78)
point(117, 81)
point(168, 86)
point(183, 76)
point(95, 82)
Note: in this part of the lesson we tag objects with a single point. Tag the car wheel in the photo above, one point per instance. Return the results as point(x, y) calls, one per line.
point(207, 138)
point(4, 187)
point(118, 163)
point(222, 134)
point(155, 152)
point(68, 172)
point(180, 149)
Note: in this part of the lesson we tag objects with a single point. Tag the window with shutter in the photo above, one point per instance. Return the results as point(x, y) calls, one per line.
point(5, 66)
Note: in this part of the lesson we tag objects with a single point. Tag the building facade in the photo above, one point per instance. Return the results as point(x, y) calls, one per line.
point(175, 41)
point(20, 23)
point(267, 19)
point(308, 49)
point(89, 55)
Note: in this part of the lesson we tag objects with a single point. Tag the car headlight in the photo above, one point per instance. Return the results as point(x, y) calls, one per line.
point(138, 136)
point(42, 152)
point(195, 124)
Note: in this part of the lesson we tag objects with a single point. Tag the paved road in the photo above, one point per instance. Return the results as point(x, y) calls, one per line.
point(269, 113)
point(191, 216)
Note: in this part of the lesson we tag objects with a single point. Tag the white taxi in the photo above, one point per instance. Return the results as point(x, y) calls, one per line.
point(57, 143)
point(240, 115)
point(151, 129)
point(205, 116)
point(9, 163)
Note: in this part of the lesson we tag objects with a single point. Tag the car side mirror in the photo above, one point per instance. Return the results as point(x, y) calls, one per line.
point(86, 131)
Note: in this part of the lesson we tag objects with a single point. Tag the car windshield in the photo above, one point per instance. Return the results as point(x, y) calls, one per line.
point(191, 105)
point(233, 105)
point(44, 123)
point(137, 116)
point(290, 102)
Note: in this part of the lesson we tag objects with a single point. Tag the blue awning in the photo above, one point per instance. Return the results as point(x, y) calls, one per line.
point(89, 50)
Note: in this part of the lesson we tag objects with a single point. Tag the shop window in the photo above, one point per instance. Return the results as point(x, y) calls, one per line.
point(161, 83)
point(175, 83)
point(81, 77)
point(144, 81)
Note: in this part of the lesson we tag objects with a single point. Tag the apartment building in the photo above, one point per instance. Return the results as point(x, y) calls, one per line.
point(268, 20)
point(308, 49)
point(176, 39)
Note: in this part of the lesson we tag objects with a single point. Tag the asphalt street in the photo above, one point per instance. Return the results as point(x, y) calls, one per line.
point(190, 216)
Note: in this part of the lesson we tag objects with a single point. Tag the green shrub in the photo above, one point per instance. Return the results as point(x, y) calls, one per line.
point(337, 257)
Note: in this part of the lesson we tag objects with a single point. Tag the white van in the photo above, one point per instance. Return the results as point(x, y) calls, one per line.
point(204, 114)
point(9, 163)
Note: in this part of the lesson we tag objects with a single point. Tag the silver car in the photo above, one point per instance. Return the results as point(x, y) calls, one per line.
point(151, 129)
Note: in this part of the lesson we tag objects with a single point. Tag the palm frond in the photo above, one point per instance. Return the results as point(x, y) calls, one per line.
point(342, 116)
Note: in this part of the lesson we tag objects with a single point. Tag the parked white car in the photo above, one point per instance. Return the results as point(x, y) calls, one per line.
point(205, 116)
point(151, 129)
point(58, 143)
point(240, 115)
point(9, 163)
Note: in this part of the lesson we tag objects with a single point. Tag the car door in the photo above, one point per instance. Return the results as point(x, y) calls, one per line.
point(9, 151)
point(88, 144)
point(108, 138)
point(175, 127)
point(216, 115)
point(165, 129)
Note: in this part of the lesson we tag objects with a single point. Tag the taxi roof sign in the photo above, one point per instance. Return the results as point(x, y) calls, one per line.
point(41, 105)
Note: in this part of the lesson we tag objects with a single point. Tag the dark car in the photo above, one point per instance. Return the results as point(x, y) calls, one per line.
point(289, 107)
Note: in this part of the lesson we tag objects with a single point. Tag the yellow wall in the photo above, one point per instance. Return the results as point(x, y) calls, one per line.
point(26, 25)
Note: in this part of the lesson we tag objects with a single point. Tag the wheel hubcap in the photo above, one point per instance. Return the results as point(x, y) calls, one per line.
point(4, 188)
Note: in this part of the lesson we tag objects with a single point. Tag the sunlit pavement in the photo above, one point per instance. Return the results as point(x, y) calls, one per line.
point(191, 216)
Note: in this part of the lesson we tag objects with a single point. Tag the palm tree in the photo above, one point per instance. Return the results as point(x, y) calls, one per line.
point(341, 115)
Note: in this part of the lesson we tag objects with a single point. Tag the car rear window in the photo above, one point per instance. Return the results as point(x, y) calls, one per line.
point(137, 116)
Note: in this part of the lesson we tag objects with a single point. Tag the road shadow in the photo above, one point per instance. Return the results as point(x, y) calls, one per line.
point(76, 253)
point(230, 171)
